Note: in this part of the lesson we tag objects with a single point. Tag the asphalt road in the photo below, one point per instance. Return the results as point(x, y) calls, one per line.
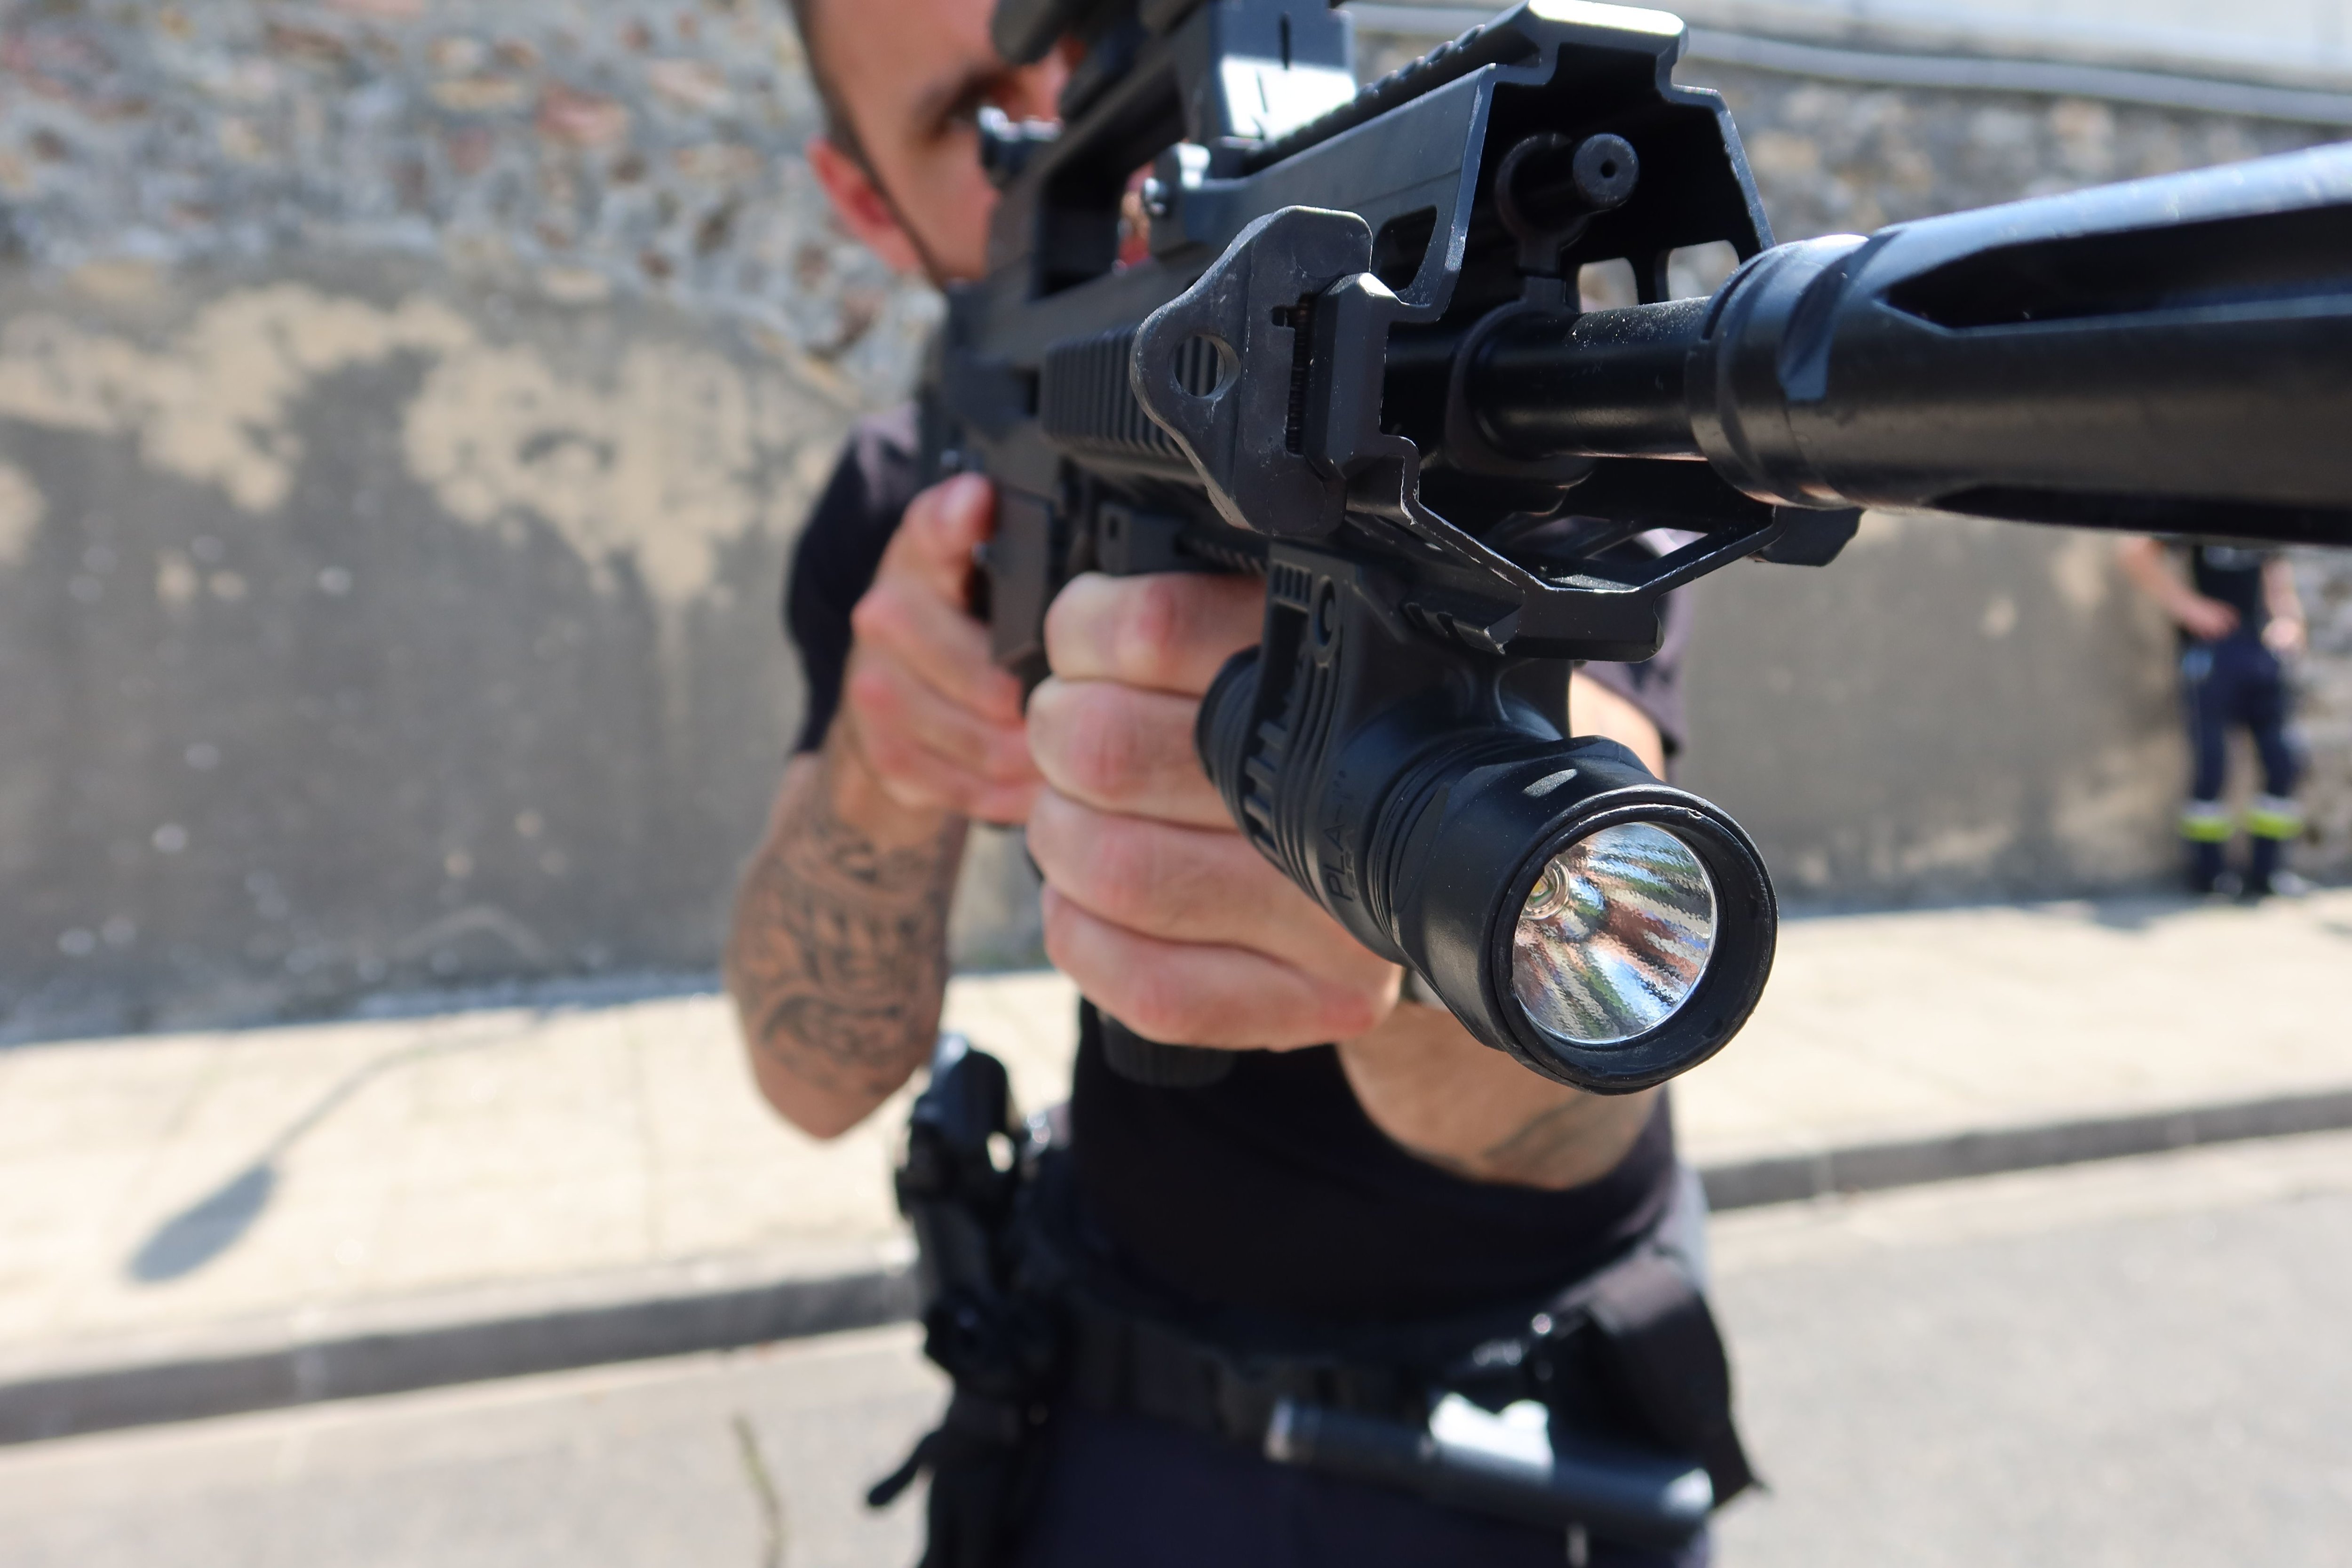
point(2144, 1362)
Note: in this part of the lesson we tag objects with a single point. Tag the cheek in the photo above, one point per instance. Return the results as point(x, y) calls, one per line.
point(956, 201)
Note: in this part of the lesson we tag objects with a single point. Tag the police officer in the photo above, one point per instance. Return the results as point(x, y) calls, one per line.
point(2237, 615)
point(1406, 1174)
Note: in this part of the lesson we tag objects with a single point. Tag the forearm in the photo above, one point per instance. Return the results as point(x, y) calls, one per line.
point(838, 958)
point(1449, 1099)
point(2279, 591)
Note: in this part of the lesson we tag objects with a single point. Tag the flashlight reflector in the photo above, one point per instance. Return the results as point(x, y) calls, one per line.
point(1614, 935)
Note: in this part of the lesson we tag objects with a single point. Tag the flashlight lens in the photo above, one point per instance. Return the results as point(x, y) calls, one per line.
point(1614, 935)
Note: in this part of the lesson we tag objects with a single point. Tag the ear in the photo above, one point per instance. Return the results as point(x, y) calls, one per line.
point(862, 208)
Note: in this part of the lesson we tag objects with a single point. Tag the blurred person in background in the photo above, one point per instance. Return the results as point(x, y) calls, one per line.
point(2238, 618)
point(1405, 1176)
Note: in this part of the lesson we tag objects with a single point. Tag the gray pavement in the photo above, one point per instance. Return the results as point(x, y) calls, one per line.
point(207, 1223)
point(2143, 1362)
point(740, 1459)
point(2140, 1362)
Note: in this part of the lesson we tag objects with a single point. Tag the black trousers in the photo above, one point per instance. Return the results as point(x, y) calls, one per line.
point(2232, 684)
point(1140, 1493)
point(2235, 683)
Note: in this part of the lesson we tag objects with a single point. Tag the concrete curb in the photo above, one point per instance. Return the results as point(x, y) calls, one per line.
point(395, 1347)
point(676, 1309)
point(1871, 1167)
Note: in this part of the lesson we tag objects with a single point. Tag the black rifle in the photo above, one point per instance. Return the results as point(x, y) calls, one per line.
point(1354, 360)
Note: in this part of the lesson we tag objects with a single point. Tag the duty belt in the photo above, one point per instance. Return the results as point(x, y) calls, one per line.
point(1602, 1405)
point(1606, 1407)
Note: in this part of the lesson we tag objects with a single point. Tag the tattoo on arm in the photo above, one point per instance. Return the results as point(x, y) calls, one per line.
point(839, 953)
point(1566, 1143)
point(1550, 1143)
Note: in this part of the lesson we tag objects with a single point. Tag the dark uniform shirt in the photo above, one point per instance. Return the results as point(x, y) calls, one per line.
point(2233, 574)
point(1270, 1191)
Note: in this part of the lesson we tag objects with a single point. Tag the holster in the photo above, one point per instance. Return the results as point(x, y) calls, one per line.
point(1659, 1357)
point(993, 1333)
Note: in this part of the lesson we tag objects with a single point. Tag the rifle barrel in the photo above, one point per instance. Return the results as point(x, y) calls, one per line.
point(1605, 383)
point(2171, 354)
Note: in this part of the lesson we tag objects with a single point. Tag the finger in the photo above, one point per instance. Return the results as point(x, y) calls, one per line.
point(940, 642)
point(889, 699)
point(919, 778)
point(1123, 749)
point(935, 538)
point(1170, 631)
point(1187, 884)
point(1196, 994)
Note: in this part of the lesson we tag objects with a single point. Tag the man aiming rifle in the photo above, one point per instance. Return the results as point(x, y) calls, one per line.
point(1399, 1298)
point(1408, 1171)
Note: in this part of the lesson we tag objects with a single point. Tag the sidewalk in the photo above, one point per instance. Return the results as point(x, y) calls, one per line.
point(211, 1221)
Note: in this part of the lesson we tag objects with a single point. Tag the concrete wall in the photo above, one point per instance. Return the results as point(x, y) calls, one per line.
point(406, 406)
point(1956, 709)
point(360, 631)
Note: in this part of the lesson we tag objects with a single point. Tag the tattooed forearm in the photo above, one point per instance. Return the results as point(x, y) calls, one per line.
point(839, 952)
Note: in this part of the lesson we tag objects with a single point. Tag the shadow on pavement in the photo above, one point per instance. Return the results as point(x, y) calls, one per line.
point(188, 1240)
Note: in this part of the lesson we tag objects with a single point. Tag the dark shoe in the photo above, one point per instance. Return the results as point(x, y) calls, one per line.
point(2263, 864)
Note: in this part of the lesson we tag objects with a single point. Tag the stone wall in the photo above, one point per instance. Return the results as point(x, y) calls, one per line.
point(406, 407)
point(578, 149)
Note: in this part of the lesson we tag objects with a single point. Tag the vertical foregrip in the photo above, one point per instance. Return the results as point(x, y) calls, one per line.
point(1220, 733)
